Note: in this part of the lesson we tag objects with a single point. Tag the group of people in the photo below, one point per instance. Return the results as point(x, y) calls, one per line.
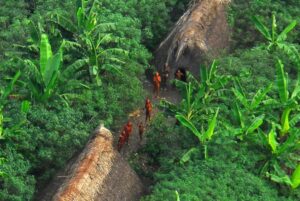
point(158, 80)
point(128, 127)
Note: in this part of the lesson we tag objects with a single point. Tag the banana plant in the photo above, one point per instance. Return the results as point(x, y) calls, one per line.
point(281, 177)
point(289, 101)
point(203, 137)
point(95, 41)
point(248, 121)
point(197, 95)
point(49, 78)
point(188, 106)
point(274, 38)
point(44, 78)
point(210, 82)
point(278, 40)
point(281, 152)
point(253, 104)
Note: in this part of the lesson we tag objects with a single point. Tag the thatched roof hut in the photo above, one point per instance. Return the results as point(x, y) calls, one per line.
point(200, 34)
point(98, 173)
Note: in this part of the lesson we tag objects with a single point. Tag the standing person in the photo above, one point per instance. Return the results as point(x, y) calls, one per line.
point(128, 129)
point(122, 140)
point(141, 130)
point(178, 74)
point(165, 75)
point(156, 83)
point(148, 107)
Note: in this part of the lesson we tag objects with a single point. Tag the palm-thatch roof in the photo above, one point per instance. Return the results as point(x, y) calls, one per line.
point(98, 173)
point(200, 34)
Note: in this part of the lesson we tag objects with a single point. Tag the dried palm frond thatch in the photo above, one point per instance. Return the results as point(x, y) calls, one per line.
point(200, 33)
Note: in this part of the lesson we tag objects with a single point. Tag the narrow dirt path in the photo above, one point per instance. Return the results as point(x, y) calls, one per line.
point(138, 115)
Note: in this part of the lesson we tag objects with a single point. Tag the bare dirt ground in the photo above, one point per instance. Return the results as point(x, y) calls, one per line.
point(139, 115)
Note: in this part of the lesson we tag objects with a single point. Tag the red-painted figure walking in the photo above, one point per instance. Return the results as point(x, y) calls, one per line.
point(156, 83)
point(122, 140)
point(128, 130)
point(141, 130)
point(148, 107)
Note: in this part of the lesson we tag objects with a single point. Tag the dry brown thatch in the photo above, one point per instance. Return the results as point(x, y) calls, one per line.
point(99, 173)
point(201, 33)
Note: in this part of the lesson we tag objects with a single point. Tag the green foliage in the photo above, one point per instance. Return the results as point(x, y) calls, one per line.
point(45, 135)
point(155, 17)
point(275, 39)
point(6, 91)
point(241, 13)
point(202, 137)
point(282, 177)
point(90, 36)
point(44, 79)
point(227, 175)
point(212, 180)
point(99, 38)
point(16, 184)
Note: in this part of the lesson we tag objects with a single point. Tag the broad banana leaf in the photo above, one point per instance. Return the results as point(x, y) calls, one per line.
point(74, 67)
point(45, 54)
point(25, 106)
point(211, 127)
point(241, 98)
point(187, 123)
point(272, 141)
point(52, 68)
point(239, 116)
point(177, 196)
point(238, 86)
point(281, 82)
point(256, 123)
point(289, 144)
point(295, 120)
point(285, 124)
point(259, 96)
point(262, 28)
point(212, 70)
point(296, 90)
point(274, 29)
point(81, 18)
point(283, 35)
point(187, 156)
point(65, 23)
point(280, 176)
point(296, 177)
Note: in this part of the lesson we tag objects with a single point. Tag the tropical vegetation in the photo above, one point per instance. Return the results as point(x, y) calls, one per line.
point(66, 66)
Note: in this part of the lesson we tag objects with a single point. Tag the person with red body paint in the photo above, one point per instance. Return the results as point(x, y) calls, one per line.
point(124, 137)
point(141, 130)
point(156, 83)
point(122, 140)
point(148, 107)
point(128, 129)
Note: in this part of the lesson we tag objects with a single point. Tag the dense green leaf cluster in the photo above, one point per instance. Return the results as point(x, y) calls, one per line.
point(230, 173)
point(240, 16)
point(256, 141)
point(76, 73)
